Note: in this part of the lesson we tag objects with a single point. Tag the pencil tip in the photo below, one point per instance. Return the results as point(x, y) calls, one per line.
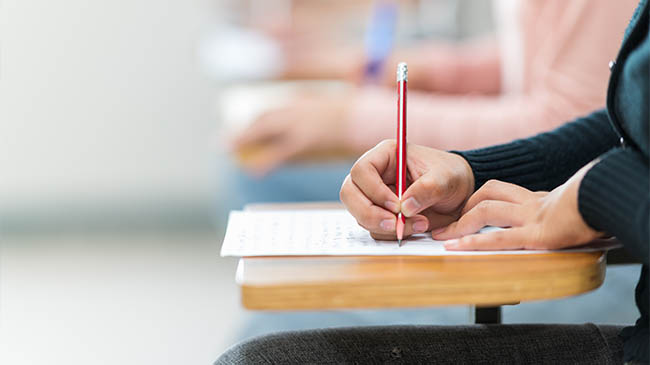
point(400, 230)
point(399, 242)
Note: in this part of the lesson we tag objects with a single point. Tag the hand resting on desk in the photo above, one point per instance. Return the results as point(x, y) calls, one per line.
point(441, 198)
point(309, 126)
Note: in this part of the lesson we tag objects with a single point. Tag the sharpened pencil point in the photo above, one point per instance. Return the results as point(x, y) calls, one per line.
point(400, 229)
point(399, 242)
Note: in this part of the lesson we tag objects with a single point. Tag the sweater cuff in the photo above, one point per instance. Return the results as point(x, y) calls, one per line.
point(614, 197)
point(515, 162)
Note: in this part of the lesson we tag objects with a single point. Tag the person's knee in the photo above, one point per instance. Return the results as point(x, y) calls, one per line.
point(241, 353)
point(258, 350)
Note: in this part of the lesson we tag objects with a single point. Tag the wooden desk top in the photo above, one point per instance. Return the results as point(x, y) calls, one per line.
point(335, 282)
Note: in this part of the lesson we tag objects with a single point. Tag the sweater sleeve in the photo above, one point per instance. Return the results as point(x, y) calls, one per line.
point(546, 160)
point(614, 197)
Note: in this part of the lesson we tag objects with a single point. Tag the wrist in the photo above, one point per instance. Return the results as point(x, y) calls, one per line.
point(574, 184)
point(466, 174)
point(466, 171)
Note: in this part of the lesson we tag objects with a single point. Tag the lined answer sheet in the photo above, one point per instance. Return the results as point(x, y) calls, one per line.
point(329, 232)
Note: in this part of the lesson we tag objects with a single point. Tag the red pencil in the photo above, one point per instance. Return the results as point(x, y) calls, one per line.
point(402, 78)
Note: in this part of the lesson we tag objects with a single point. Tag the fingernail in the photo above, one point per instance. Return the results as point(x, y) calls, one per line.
point(410, 207)
point(451, 243)
point(420, 226)
point(387, 224)
point(438, 231)
point(393, 207)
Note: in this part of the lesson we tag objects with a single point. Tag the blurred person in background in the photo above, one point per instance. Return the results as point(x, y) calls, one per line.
point(547, 63)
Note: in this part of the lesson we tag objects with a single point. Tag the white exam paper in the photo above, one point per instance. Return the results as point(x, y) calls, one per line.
point(331, 232)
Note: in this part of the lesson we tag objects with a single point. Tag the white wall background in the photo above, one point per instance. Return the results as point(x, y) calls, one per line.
point(102, 104)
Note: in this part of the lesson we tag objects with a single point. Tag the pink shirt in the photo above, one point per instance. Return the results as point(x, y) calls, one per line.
point(566, 47)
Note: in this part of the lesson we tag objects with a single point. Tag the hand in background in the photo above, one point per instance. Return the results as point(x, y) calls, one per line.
point(308, 126)
point(539, 220)
point(440, 183)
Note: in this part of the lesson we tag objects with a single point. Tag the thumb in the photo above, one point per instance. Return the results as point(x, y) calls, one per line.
point(423, 193)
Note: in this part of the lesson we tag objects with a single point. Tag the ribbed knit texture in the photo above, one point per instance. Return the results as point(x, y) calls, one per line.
point(623, 175)
point(547, 160)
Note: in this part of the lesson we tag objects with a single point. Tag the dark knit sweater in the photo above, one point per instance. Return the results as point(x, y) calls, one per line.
point(614, 195)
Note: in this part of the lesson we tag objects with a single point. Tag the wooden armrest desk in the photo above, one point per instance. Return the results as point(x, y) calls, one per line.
point(486, 282)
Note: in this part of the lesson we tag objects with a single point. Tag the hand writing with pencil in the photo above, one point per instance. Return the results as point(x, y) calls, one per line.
point(438, 186)
point(440, 198)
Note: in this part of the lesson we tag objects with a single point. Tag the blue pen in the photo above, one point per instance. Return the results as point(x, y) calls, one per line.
point(379, 38)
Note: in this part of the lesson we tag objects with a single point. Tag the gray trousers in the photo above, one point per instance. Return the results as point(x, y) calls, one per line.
point(473, 344)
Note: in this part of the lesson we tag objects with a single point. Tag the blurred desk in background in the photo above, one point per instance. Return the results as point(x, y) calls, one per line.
point(487, 282)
